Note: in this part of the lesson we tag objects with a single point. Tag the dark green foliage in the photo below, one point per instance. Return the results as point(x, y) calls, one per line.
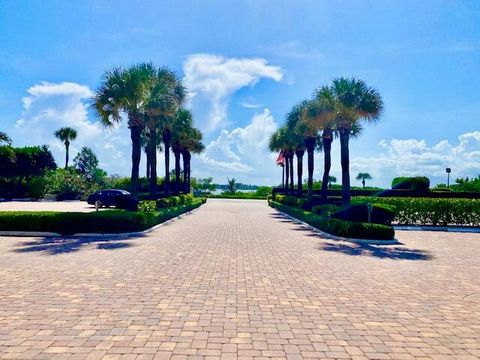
point(176, 200)
point(25, 162)
point(325, 210)
point(111, 221)
point(381, 213)
point(86, 163)
point(431, 211)
point(147, 206)
point(466, 184)
point(350, 229)
point(418, 183)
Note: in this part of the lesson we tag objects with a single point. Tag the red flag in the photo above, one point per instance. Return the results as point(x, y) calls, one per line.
point(280, 160)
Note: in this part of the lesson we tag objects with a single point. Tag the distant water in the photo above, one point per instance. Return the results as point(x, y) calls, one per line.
point(219, 191)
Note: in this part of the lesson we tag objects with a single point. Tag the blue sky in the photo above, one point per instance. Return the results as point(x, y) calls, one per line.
point(246, 63)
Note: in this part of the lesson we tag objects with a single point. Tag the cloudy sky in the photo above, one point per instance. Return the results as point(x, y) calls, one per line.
point(245, 64)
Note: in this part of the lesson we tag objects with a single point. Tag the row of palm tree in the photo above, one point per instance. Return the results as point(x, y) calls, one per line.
point(152, 99)
point(336, 110)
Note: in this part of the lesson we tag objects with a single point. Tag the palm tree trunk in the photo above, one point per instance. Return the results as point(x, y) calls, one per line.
point(153, 162)
point(189, 179)
point(166, 143)
point(287, 172)
point(283, 176)
point(177, 171)
point(149, 166)
point(363, 183)
point(310, 145)
point(292, 185)
point(67, 147)
point(185, 174)
point(299, 154)
point(327, 164)
point(135, 133)
point(345, 161)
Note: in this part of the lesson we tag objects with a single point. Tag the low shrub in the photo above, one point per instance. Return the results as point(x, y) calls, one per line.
point(417, 183)
point(325, 210)
point(174, 200)
point(431, 211)
point(280, 198)
point(109, 221)
point(351, 229)
point(380, 213)
point(147, 205)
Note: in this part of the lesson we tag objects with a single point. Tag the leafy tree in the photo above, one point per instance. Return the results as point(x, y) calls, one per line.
point(204, 185)
point(4, 138)
point(86, 163)
point(350, 102)
point(66, 135)
point(126, 91)
point(331, 180)
point(231, 186)
point(363, 176)
point(467, 184)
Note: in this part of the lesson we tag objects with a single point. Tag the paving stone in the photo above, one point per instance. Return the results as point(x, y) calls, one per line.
point(237, 280)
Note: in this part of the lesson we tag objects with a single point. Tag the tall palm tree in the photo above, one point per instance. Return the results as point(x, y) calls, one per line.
point(66, 135)
point(363, 176)
point(126, 91)
point(352, 102)
point(319, 114)
point(299, 131)
point(167, 94)
point(182, 124)
point(4, 138)
point(192, 145)
point(285, 140)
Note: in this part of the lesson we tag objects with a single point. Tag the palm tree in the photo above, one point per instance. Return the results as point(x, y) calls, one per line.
point(284, 140)
point(66, 135)
point(363, 177)
point(319, 112)
point(192, 145)
point(180, 130)
point(351, 101)
point(125, 90)
point(299, 132)
point(167, 94)
point(4, 138)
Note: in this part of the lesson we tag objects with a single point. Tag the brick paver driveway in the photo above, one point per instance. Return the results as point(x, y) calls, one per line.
point(237, 280)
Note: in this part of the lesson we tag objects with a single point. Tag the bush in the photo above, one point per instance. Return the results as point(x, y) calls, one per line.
point(418, 183)
point(351, 229)
point(280, 198)
point(110, 221)
point(325, 210)
point(146, 206)
point(381, 213)
point(431, 211)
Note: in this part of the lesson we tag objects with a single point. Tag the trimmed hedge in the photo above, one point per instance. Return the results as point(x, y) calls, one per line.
point(351, 229)
point(175, 201)
point(240, 195)
point(380, 213)
point(418, 183)
point(110, 221)
point(431, 211)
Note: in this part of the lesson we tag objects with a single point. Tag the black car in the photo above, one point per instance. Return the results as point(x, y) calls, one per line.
point(112, 197)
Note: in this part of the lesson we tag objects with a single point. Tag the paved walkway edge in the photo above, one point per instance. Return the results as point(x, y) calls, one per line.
point(94, 235)
point(457, 229)
point(339, 238)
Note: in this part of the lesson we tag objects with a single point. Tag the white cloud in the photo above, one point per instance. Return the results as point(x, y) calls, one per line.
point(295, 50)
point(50, 106)
point(241, 153)
point(250, 105)
point(412, 157)
point(215, 78)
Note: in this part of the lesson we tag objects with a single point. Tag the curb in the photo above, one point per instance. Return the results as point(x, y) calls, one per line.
point(453, 229)
point(94, 235)
point(339, 238)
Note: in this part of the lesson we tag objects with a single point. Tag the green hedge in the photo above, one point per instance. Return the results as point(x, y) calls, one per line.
point(431, 211)
point(247, 196)
point(110, 221)
point(350, 229)
point(419, 183)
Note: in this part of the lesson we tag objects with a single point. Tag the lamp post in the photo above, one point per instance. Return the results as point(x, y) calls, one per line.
point(448, 170)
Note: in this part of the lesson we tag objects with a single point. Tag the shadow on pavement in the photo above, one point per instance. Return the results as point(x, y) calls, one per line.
point(68, 244)
point(379, 251)
point(358, 249)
